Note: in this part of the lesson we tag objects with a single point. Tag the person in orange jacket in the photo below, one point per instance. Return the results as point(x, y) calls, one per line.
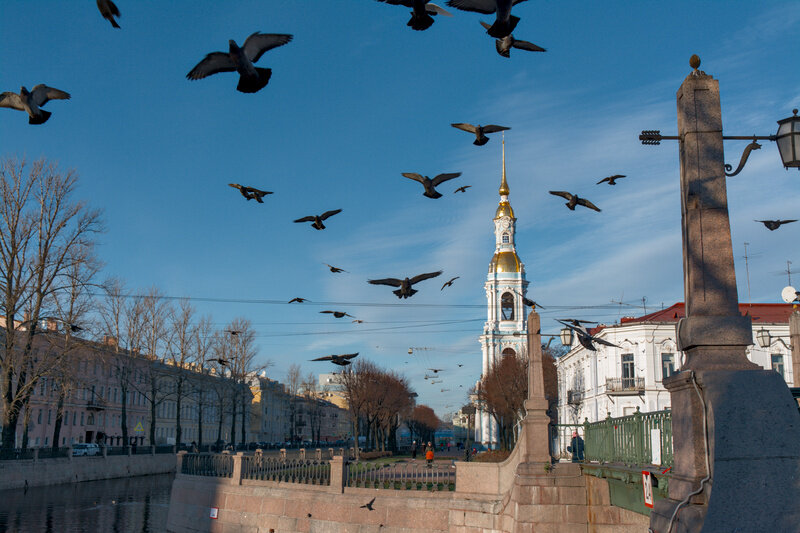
point(429, 454)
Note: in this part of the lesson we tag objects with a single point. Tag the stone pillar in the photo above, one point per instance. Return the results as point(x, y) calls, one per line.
point(536, 422)
point(318, 454)
point(734, 427)
point(236, 478)
point(794, 340)
point(302, 453)
point(338, 474)
point(283, 454)
point(179, 464)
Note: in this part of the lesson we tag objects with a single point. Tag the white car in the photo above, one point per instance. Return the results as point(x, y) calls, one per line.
point(85, 449)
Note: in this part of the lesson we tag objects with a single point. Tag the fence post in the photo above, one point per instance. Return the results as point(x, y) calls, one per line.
point(587, 440)
point(283, 454)
point(302, 454)
point(152, 449)
point(338, 474)
point(638, 437)
point(330, 452)
point(179, 462)
point(69, 451)
point(318, 454)
point(236, 478)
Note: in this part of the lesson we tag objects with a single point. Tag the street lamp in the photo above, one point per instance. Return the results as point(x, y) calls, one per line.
point(763, 338)
point(566, 336)
point(787, 137)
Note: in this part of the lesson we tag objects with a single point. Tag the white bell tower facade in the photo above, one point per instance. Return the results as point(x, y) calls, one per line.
point(505, 331)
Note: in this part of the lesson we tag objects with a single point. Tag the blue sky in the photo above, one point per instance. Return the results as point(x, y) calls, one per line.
point(357, 98)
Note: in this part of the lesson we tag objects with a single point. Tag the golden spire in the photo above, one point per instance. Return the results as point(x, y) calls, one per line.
point(504, 185)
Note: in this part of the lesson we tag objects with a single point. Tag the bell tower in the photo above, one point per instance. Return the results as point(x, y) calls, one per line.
point(505, 331)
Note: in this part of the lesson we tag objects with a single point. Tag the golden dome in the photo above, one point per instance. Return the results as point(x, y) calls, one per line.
point(504, 210)
point(506, 262)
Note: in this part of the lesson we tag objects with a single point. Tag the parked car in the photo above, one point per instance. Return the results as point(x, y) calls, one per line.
point(80, 449)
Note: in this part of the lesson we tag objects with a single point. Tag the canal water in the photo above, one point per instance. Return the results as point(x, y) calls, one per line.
point(135, 505)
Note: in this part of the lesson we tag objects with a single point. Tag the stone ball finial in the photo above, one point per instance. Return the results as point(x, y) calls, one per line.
point(694, 61)
point(794, 111)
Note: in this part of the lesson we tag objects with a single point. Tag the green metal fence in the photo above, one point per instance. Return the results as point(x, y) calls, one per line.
point(629, 440)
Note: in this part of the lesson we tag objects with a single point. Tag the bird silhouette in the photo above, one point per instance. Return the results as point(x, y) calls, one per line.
point(251, 79)
point(436, 370)
point(611, 180)
point(574, 199)
point(368, 505)
point(338, 314)
point(508, 42)
point(341, 360)
point(233, 332)
point(586, 339)
point(334, 269)
point(529, 303)
point(32, 101)
point(462, 189)
point(422, 13)
point(504, 22)
point(449, 283)
point(479, 131)
point(317, 220)
point(430, 184)
point(405, 290)
point(74, 328)
point(460, 365)
point(251, 193)
point(357, 321)
point(109, 10)
point(772, 225)
point(221, 361)
point(298, 300)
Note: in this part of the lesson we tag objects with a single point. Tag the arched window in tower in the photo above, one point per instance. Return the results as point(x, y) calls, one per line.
point(509, 352)
point(505, 238)
point(507, 306)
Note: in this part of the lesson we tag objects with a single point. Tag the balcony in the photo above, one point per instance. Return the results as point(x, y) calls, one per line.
point(574, 397)
point(624, 386)
point(95, 404)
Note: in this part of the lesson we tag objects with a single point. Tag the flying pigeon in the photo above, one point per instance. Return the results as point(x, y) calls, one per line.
point(574, 199)
point(251, 193)
point(251, 79)
point(341, 360)
point(612, 180)
point(233, 332)
point(31, 101)
point(436, 370)
point(357, 321)
point(430, 184)
point(317, 220)
point(772, 225)
point(422, 14)
point(508, 42)
point(585, 338)
point(222, 362)
point(405, 290)
point(462, 189)
point(479, 131)
point(449, 283)
point(298, 300)
point(334, 269)
point(529, 303)
point(504, 22)
point(368, 505)
point(338, 314)
point(109, 10)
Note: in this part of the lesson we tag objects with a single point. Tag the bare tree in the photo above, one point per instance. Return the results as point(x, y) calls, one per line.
point(503, 390)
point(314, 405)
point(181, 355)
point(202, 338)
point(293, 384)
point(43, 234)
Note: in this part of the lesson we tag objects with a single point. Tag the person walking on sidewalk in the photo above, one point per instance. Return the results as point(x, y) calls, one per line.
point(429, 454)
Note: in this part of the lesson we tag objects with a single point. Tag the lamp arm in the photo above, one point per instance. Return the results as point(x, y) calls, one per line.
point(749, 148)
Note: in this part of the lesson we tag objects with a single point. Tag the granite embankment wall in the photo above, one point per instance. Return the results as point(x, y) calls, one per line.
point(14, 474)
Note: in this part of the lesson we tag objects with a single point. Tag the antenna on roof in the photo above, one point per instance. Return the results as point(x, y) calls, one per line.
point(789, 271)
point(747, 270)
point(644, 299)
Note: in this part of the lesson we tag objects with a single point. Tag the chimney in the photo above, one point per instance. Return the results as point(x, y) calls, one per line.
point(110, 340)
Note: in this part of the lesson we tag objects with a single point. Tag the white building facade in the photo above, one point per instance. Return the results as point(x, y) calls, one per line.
point(616, 381)
point(505, 330)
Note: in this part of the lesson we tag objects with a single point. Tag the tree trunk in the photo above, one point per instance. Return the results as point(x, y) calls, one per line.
point(178, 398)
point(244, 417)
point(200, 422)
point(124, 416)
point(59, 416)
point(234, 408)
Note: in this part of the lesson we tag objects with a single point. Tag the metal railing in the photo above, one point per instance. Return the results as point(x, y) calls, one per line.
point(401, 476)
point(308, 472)
point(624, 384)
point(16, 453)
point(629, 439)
point(212, 465)
point(50, 453)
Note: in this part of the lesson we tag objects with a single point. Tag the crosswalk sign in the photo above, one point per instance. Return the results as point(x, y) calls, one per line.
point(139, 428)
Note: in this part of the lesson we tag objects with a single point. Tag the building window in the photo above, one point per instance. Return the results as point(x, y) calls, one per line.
point(777, 363)
point(90, 420)
point(667, 365)
point(39, 416)
point(507, 306)
point(66, 418)
point(74, 418)
point(628, 371)
point(505, 238)
point(49, 417)
point(81, 418)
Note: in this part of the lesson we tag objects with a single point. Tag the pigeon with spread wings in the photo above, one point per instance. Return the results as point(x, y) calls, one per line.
point(504, 22)
point(240, 59)
point(479, 131)
point(611, 180)
point(430, 184)
point(341, 360)
point(405, 290)
point(337, 314)
point(32, 101)
point(508, 42)
point(109, 10)
point(574, 199)
point(449, 283)
point(422, 12)
point(250, 193)
point(772, 225)
point(316, 220)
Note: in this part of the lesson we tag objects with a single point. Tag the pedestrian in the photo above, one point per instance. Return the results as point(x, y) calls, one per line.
point(194, 447)
point(414, 450)
point(429, 454)
point(576, 448)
